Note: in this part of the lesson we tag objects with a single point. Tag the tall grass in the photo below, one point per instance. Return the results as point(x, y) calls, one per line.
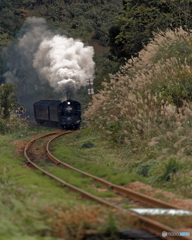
point(72, 223)
point(150, 95)
point(146, 109)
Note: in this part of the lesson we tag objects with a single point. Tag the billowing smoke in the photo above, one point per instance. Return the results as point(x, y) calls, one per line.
point(65, 62)
point(45, 63)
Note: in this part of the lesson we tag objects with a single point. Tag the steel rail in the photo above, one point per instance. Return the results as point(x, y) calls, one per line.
point(145, 223)
point(117, 189)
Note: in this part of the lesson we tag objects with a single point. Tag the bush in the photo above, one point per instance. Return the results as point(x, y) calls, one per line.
point(171, 167)
point(87, 144)
point(12, 125)
point(8, 99)
point(144, 168)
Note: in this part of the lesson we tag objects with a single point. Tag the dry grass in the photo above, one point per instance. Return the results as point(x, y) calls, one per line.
point(73, 222)
point(129, 106)
point(137, 112)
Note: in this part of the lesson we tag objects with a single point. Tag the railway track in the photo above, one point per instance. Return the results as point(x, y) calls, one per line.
point(149, 201)
point(144, 222)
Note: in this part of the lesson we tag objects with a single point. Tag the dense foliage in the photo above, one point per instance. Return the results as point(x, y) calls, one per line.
point(9, 122)
point(146, 110)
point(81, 19)
point(139, 19)
point(8, 99)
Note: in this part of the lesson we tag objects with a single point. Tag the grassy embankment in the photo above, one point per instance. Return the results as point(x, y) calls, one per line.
point(145, 113)
point(24, 192)
point(32, 206)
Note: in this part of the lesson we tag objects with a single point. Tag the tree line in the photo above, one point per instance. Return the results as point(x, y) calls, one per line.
point(123, 27)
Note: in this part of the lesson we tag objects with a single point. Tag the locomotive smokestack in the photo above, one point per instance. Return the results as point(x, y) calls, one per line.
point(68, 94)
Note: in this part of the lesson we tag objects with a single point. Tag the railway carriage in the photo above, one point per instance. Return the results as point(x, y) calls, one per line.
point(65, 114)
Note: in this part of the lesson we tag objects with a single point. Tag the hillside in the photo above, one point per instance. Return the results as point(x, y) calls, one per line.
point(146, 111)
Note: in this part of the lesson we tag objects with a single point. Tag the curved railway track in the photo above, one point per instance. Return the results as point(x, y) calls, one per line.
point(145, 223)
point(152, 202)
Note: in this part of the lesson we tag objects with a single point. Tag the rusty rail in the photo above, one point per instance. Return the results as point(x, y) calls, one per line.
point(145, 223)
point(117, 189)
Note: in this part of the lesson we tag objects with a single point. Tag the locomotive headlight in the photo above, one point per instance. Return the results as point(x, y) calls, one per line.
point(68, 103)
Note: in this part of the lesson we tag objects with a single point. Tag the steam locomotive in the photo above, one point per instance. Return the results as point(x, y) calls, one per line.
point(65, 114)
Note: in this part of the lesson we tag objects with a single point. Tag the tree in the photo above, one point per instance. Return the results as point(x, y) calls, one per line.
point(4, 39)
point(181, 10)
point(139, 19)
point(8, 99)
point(10, 19)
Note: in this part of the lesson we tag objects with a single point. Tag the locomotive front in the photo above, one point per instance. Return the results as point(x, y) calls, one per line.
point(70, 114)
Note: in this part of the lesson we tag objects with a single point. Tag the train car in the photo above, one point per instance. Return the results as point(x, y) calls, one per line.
point(65, 114)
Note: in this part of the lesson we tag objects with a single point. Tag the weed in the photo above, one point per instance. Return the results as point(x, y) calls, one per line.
point(99, 169)
point(42, 163)
point(40, 140)
point(165, 199)
point(111, 228)
point(128, 207)
point(142, 191)
point(170, 168)
point(125, 200)
point(158, 195)
point(98, 185)
point(188, 151)
point(87, 144)
point(143, 169)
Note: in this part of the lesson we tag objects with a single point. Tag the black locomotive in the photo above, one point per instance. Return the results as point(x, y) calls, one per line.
point(65, 114)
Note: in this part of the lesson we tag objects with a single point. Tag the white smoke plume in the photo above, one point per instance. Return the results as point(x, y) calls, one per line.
point(64, 62)
point(46, 64)
point(41, 56)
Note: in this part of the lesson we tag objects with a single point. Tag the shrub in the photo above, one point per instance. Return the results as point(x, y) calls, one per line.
point(8, 99)
point(111, 228)
point(12, 125)
point(87, 144)
point(171, 167)
point(144, 168)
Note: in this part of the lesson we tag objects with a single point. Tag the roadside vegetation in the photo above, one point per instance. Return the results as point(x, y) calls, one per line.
point(92, 155)
point(10, 119)
point(35, 207)
point(146, 110)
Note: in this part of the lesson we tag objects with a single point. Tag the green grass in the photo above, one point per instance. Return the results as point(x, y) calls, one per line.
point(158, 195)
point(24, 193)
point(77, 160)
point(124, 200)
point(98, 185)
point(165, 199)
point(112, 164)
point(142, 191)
point(128, 207)
point(101, 163)
point(77, 180)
